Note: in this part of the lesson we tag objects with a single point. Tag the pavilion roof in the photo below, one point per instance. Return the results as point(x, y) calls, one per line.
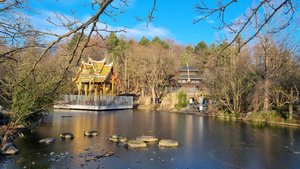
point(192, 77)
point(94, 71)
point(188, 68)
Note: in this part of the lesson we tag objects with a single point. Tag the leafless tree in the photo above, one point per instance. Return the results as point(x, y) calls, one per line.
point(152, 67)
point(255, 18)
point(15, 33)
point(227, 78)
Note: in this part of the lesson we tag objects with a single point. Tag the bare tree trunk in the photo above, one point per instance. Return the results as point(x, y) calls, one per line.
point(128, 82)
point(290, 110)
point(266, 106)
point(125, 78)
point(266, 103)
point(153, 94)
point(143, 92)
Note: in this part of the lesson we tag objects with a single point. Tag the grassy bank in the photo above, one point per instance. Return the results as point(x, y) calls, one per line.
point(271, 118)
point(177, 103)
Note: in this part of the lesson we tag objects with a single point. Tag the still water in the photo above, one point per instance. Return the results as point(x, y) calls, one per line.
point(204, 143)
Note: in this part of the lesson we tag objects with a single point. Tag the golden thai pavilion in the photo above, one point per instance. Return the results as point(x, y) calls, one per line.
point(95, 77)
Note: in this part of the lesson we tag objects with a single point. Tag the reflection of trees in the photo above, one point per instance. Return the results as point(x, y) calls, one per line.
point(189, 129)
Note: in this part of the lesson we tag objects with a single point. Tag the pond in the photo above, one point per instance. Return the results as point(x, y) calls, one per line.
point(204, 142)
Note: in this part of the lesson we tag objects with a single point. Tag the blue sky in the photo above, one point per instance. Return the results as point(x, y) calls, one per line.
point(173, 19)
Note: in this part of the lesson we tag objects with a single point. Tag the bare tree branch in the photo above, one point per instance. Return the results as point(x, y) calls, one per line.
point(150, 17)
point(102, 8)
point(251, 21)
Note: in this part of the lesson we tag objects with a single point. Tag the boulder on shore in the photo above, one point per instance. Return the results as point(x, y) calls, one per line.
point(9, 149)
point(47, 140)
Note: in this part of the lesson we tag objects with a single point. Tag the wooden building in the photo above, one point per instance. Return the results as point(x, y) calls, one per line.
point(95, 78)
point(188, 78)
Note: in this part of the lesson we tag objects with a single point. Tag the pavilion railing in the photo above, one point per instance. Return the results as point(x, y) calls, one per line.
point(96, 101)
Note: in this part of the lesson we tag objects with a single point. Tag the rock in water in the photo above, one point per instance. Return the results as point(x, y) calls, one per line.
point(137, 144)
point(107, 154)
point(91, 133)
point(147, 138)
point(168, 143)
point(118, 138)
point(47, 140)
point(64, 116)
point(9, 149)
point(67, 136)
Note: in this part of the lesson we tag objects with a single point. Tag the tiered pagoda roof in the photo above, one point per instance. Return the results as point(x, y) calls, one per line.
point(94, 71)
point(188, 68)
point(188, 73)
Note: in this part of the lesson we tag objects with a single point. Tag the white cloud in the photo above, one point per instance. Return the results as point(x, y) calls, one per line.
point(141, 30)
point(136, 32)
point(206, 19)
point(41, 23)
point(210, 21)
point(201, 17)
point(131, 3)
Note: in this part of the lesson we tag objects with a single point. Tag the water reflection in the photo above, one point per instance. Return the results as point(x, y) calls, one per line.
point(205, 143)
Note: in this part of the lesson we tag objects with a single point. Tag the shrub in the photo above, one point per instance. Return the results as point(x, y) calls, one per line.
point(265, 117)
point(182, 99)
point(229, 114)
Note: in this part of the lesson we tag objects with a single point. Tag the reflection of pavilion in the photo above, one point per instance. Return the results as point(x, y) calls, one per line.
point(95, 81)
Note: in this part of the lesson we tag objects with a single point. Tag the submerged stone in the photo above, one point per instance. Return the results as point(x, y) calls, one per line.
point(47, 140)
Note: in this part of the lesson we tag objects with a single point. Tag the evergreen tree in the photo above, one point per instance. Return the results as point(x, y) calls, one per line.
point(112, 41)
point(157, 40)
point(74, 40)
point(144, 41)
point(201, 46)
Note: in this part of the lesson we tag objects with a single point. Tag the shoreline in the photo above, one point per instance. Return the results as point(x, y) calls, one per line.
point(222, 117)
point(188, 111)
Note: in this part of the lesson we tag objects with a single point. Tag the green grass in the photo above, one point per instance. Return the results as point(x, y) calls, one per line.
point(266, 117)
point(229, 115)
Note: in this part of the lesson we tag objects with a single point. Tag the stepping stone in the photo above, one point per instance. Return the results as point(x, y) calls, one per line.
point(118, 138)
point(91, 133)
point(168, 143)
point(67, 136)
point(136, 144)
point(147, 138)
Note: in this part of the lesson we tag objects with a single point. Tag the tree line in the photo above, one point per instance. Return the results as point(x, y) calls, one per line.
point(260, 77)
